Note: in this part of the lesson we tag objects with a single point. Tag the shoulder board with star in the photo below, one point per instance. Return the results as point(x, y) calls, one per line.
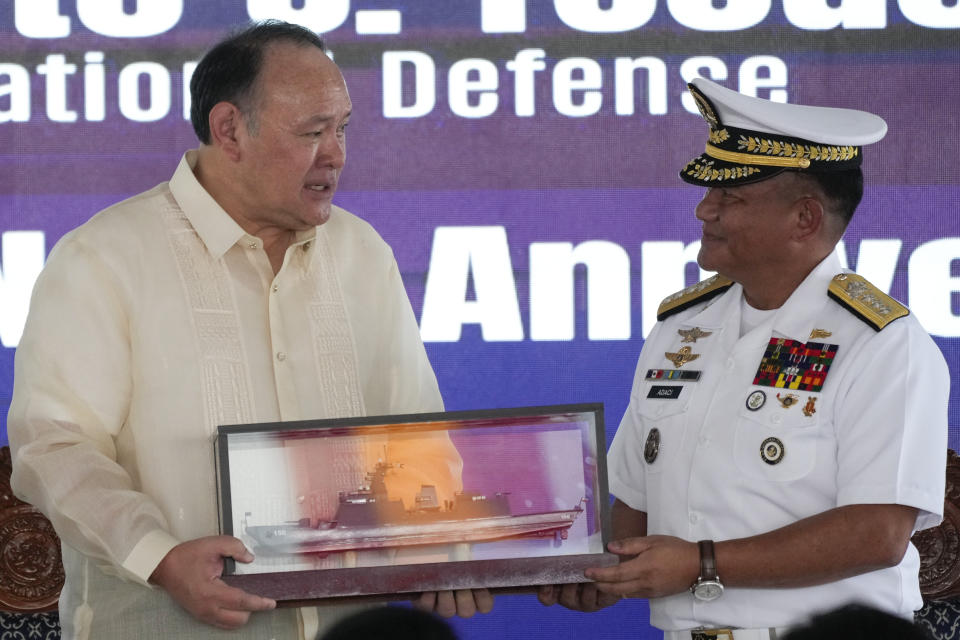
point(686, 298)
point(865, 301)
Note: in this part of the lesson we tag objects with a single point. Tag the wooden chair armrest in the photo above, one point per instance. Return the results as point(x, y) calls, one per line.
point(939, 547)
point(31, 567)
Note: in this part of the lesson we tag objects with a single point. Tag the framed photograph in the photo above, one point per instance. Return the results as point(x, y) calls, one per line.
point(392, 505)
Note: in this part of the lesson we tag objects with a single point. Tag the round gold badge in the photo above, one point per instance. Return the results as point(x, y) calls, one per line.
point(772, 451)
point(652, 447)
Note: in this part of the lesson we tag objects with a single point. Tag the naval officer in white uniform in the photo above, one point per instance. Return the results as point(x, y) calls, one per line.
point(787, 425)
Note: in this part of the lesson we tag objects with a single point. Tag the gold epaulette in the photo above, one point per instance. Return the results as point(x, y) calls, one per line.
point(704, 290)
point(865, 301)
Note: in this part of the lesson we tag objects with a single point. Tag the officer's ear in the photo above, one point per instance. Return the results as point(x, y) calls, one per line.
point(226, 128)
point(809, 218)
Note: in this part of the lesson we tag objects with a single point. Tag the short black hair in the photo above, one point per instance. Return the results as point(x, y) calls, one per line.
point(857, 622)
point(396, 622)
point(843, 189)
point(228, 72)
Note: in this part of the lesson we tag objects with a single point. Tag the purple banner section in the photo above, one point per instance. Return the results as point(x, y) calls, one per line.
point(477, 374)
point(503, 151)
point(453, 16)
point(406, 218)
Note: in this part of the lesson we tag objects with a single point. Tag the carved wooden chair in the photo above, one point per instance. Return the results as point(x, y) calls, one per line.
point(940, 563)
point(31, 569)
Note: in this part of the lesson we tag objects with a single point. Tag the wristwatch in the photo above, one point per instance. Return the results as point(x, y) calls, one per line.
point(708, 586)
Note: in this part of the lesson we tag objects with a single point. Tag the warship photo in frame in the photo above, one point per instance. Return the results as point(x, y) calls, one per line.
point(395, 505)
point(368, 519)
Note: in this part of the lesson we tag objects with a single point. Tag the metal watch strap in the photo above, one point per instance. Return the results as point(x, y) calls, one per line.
point(708, 565)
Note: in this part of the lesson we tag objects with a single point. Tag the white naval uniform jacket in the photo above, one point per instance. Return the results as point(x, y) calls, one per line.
point(875, 433)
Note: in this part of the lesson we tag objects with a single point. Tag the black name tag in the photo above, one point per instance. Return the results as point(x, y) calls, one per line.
point(665, 392)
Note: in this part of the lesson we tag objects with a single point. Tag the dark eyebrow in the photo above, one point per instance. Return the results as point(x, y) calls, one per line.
point(324, 119)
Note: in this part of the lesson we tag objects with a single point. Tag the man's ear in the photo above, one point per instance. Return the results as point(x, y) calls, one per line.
point(226, 127)
point(810, 218)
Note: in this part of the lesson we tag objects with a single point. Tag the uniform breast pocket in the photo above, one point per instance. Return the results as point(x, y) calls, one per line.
point(662, 414)
point(778, 441)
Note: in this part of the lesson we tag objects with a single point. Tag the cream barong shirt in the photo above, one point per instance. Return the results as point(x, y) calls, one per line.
point(152, 324)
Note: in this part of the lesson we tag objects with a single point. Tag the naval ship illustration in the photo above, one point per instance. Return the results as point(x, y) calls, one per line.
point(367, 519)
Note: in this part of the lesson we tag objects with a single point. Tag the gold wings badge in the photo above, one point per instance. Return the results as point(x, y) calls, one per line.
point(681, 357)
point(691, 335)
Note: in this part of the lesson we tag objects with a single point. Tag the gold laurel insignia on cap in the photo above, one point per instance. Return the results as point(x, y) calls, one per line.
point(702, 291)
point(704, 171)
point(865, 301)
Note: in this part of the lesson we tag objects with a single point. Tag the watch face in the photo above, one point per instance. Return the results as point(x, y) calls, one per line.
point(708, 590)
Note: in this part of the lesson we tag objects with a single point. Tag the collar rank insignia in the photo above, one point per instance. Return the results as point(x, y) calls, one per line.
point(791, 364)
point(681, 357)
point(691, 335)
point(865, 301)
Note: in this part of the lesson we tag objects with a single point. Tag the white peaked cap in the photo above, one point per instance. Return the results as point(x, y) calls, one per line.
point(752, 139)
point(826, 125)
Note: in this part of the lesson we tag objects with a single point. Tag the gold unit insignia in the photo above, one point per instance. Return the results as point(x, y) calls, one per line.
point(788, 400)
